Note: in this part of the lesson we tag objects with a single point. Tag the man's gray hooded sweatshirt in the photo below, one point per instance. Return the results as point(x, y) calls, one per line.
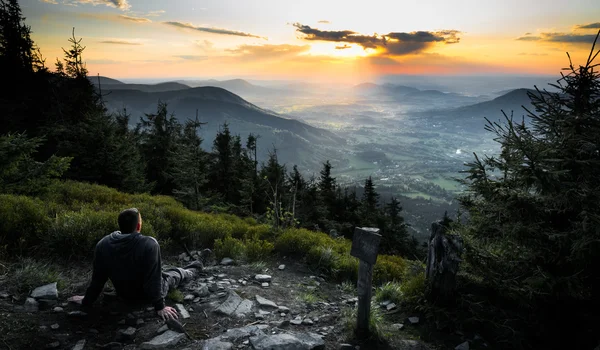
point(132, 262)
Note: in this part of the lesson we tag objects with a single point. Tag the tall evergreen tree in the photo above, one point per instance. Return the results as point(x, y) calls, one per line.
point(370, 204)
point(327, 187)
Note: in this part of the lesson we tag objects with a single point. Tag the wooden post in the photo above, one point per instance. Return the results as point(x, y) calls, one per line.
point(365, 246)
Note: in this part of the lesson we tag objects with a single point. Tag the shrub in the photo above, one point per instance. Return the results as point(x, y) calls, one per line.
point(230, 247)
point(29, 274)
point(24, 220)
point(258, 250)
point(389, 268)
point(391, 291)
point(413, 288)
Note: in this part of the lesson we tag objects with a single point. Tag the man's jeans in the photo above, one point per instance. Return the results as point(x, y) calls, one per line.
point(174, 277)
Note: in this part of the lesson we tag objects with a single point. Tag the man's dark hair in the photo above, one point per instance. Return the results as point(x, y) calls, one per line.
point(128, 220)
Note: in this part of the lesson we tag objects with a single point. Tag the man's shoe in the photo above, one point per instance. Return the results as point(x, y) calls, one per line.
point(195, 265)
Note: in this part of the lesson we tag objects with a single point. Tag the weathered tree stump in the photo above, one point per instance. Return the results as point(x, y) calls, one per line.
point(443, 259)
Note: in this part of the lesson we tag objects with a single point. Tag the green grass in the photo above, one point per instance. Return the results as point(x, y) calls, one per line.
point(309, 298)
point(377, 323)
point(348, 287)
point(390, 291)
point(28, 274)
point(176, 295)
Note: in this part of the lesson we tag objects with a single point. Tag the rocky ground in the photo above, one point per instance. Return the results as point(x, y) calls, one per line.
point(275, 305)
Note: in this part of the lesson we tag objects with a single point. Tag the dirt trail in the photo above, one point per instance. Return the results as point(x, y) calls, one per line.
point(300, 297)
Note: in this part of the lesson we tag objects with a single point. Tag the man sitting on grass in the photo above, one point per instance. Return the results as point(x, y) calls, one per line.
point(133, 264)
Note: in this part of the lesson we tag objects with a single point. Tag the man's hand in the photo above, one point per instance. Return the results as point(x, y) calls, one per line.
point(167, 313)
point(77, 299)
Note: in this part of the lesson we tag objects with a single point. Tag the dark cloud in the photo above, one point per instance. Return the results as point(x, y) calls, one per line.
point(135, 19)
point(345, 46)
point(567, 38)
point(119, 42)
point(588, 26)
point(395, 43)
point(268, 51)
point(212, 30)
point(324, 22)
point(193, 57)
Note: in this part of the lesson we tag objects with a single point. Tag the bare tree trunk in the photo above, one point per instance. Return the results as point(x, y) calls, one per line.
point(443, 259)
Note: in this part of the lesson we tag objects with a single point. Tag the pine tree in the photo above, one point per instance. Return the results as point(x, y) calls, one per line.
point(222, 172)
point(533, 230)
point(370, 204)
point(395, 235)
point(160, 133)
point(327, 187)
point(190, 166)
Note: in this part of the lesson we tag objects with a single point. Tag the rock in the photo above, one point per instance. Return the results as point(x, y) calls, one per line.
point(221, 276)
point(31, 305)
point(55, 326)
point(462, 346)
point(259, 316)
point(286, 341)
point(53, 345)
point(282, 267)
point(227, 261)
point(412, 345)
point(112, 345)
point(265, 285)
point(297, 321)
point(139, 322)
point(122, 322)
point(282, 314)
point(283, 309)
point(263, 278)
point(77, 314)
point(47, 303)
point(244, 308)
point(390, 306)
point(213, 287)
point(202, 292)
point(58, 309)
point(186, 258)
point(4, 295)
point(307, 321)
point(385, 303)
point(351, 301)
point(266, 303)
point(126, 335)
point(230, 304)
point(346, 347)
point(162, 329)
point(80, 345)
point(43, 328)
point(48, 291)
point(236, 334)
point(182, 311)
point(188, 297)
point(94, 331)
point(216, 344)
point(413, 320)
point(168, 338)
point(398, 326)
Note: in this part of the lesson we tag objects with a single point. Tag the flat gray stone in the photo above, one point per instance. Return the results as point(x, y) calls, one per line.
point(31, 305)
point(230, 304)
point(48, 291)
point(236, 334)
point(390, 306)
point(398, 326)
point(284, 309)
point(58, 309)
point(216, 344)
point(168, 338)
point(346, 347)
point(244, 308)
point(227, 261)
point(202, 291)
point(297, 321)
point(126, 335)
point(263, 278)
point(55, 326)
point(162, 329)
point(462, 346)
point(77, 314)
point(182, 311)
point(287, 341)
point(282, 267)
point(265, 285)
point(189, 297)
point(307, 321)
point(4, 295)
point(266, 303)
point(80, 345)
point(259, 316)
point(413, 320)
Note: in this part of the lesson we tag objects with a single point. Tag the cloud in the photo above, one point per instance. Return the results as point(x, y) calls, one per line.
point(192, 57)
point(50, 1)
point(263, 52)
point(345, 46)
point(205, 45)
point(395, 43)
point(119, 4)
point(588, 26)
point(103, 61)
point(135, 19)
point(212, 30)
point(120, 42)
point(324, 22)
point(532, 54)
point(565, 38)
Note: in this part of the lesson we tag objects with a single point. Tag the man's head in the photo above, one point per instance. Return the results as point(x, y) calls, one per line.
point(130, 221)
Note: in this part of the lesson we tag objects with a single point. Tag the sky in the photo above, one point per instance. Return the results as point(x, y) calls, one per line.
point(316, 40)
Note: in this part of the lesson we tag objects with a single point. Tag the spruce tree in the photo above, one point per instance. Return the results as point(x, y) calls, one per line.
point(370, 204)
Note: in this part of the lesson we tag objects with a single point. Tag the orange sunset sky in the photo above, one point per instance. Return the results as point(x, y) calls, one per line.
point(319, 40)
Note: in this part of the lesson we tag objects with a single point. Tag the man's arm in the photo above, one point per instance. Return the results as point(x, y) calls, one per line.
point(99, 278)
point(153, 275)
